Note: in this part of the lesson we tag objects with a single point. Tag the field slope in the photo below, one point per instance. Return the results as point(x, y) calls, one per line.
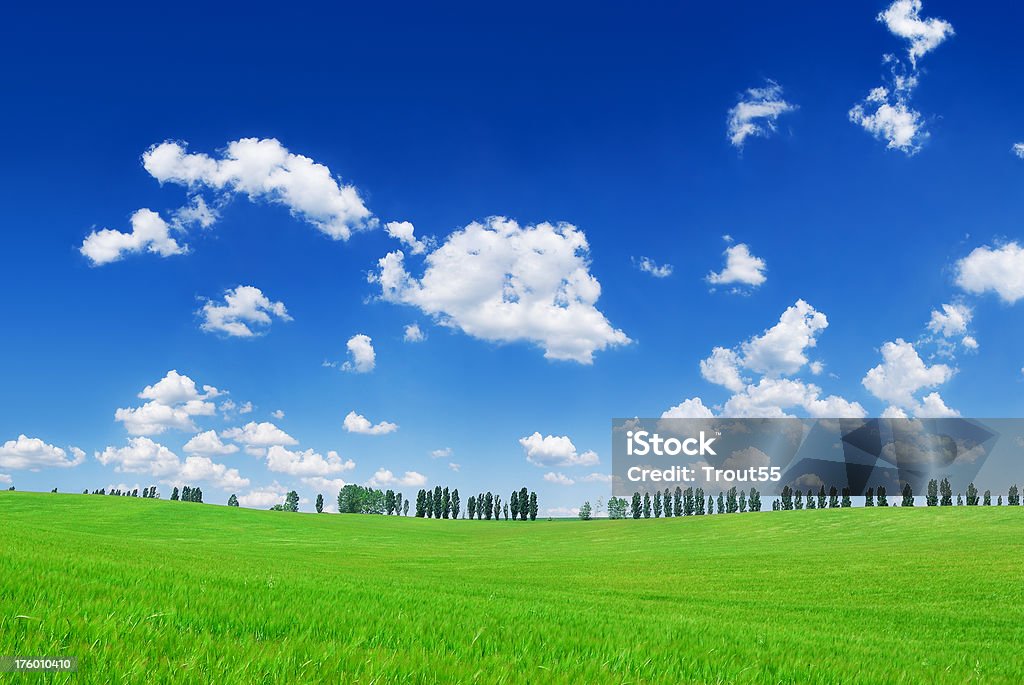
point(170, 591)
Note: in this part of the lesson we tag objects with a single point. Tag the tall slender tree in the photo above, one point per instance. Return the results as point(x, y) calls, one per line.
point(932, 498)
point(908, 496)
point(945, 493)
point(657, 504)
point(637, 507)
point(514, 501)
point(320, 503)
point(972, 495)
point(677, 503)
point(869, 497)
point(533, 506)
point(847, 502)
point(455, 503)
point(524, 504)
point(647, 505)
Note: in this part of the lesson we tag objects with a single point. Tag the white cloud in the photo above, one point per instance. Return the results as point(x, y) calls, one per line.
point(969, 342)
point(781, 350)
point(501, 282)
point(1018, 149)
point(1000, 270)
point(264, 497)
point(692, 408)
point(816, 367)
point(903, 19)
point(265, 169)
point(6, 479)
point(246, 408)
point(558, 478)
point(413, 333)
point(597, 478)
point(903, 373)
point(173, 401)
point(403, 231)
point(246, 312)
point(149, 232)
point(441, 453)
point(771, 397)
point(175, 388)
point(198, 213)
point(740, 267)
point(277, 414)
point(756, 113)
point(143, 455)
point(306, 463)
point(723, 368)
point(259, 435)
point(362, 356)
point(33, 454)
point(888, 116)
point(555, 451)
point(933, 407)
point(651, 267)
point(454, 467)
point(384, 477)
point(208, 444)
point(951, 321)
point(357, 423)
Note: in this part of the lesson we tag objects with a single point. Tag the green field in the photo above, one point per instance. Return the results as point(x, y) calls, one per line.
point(168, 591)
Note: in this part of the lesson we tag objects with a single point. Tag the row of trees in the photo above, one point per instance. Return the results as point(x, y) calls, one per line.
point(442, 503)
point(356, 499)
point(688, 502)
point(148, 493)
point(790, 500)
point(188, 494)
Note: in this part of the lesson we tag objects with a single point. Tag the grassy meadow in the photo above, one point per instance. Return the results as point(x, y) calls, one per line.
point(166, 591)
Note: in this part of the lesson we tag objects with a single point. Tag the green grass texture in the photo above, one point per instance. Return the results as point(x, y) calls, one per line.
point(149, 590)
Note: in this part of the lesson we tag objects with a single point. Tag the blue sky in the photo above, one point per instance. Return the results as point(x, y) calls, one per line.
point(868, 211)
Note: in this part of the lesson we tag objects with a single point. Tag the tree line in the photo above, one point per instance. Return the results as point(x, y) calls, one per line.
point(688, 502)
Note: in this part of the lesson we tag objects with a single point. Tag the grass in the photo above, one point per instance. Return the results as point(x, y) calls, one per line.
point(169, 591)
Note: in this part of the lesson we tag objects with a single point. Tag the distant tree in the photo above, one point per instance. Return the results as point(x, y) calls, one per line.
point(585, 511)
point(821, 496)
point(497, 507)
point(798, 500)
point(598, 508)
point(438, 502)
point(698, 502)
point(524, 504)
point(811, 501)
point(689, 509)
point(999, 501)
point(398, 504)
point(647, 505)
point(972, 495)
point(946, 493)
point(959, 500)
point(847, 502)
point(85, 492)
point(291, 501)
point(833, 498)
point(405, 508)
point(667, 502)
point(480, 506)
point(869, 498)
point(505, 510)
point(533, 506)
point(731, 505)
point(421, 503)
point(787, 498)
point(636, 508)
point(657, 504)
point(455, 503)
point(932, 498)
point(616, 508)
point(908, 496)
point(775, 505)
point(488, 506)
point(428, 503)
point(389, 502)
point(320, 503)
point(880, 496)
point(988, 498)
point(471, 505)
point(1013, 497)
point(446, 510)
point(514, 500)
point(232, 501)
point(677, 502)
point(186, 493)
point(135, 492)
point(711, 505)
point(145, 492)
point(755, 500)
point(743, 502)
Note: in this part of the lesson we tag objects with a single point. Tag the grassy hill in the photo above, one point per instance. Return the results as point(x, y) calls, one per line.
point(148, 589)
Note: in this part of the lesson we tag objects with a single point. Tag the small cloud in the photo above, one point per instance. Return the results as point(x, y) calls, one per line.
point(558, 478)
point(454, 467)
point(651, 267)
point(441, 453)
point(741, 267)
point(362, 358)
point(357, 423)
point(278, 414)
point(413, 334)
point(756, 113)
point(244, 313)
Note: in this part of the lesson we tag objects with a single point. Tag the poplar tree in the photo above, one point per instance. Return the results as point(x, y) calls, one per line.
point(405, 508)
point(798, 500)
point(731, 507)
point(988, 498)
point(319, 503)
point(688, 508)
point(514, 501)
point(811, 502)
point(635, 507)
point(174, 493)
point(667, 501)
point(755, 500)
point(447, 509)
point(882, 501)
point(421, 503)
point(524, 504)
point(699, 502)
point(787, 498)
point(932, 498)
point(497, 507)
point(438, 502)
point(488, 506)
point(972, 495)
point(959, 500)
point(677, 505)
point(833, 498)
point(908, 496)
point(291, 501)
point(869, 498)
point(821, 496)
point(657, 504)
point(455, 503)
point(647, 505)
point(585, 512)
point(1013, 496)
point(533, 506)
point(428, 503)
point(711, 505)
point(847, 502)
point(743, 502)
point(946, 493)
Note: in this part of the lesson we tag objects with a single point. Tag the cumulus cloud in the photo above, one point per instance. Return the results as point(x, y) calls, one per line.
point(741, 267)
point(902, 374)
point(558, 478)
point(413, 334)
point(1018, 149)
point(258, 436)
point(782, 349)
point(306, 463)
point(384, 477)
point(756, 113)
point(208, 444)
point(263, 169)
point(597, 478)
point(263, 497)
point(34, 454)
point(553, 450)
point(771, 397)
point(404, 232)
point(952, 322)
point(999, 270)
point(692, 408)
point(649, 266)
point(501, 282)
point(277, 414)
point(903, 19)
point(143, 455)
point(362, 358)
point(173, 401)
point(149, 233)
point(723, 368)
point(357, 423)
point(244, 313)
